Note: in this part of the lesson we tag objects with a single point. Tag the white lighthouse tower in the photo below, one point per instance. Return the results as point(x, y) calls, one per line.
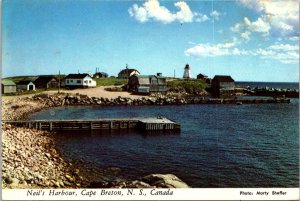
point(187, 72)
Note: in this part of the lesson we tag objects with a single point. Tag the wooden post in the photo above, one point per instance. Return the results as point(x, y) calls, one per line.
point(91, 125)
point(50, 126)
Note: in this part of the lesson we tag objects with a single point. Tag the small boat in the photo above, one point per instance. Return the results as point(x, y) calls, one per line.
point(239, 103)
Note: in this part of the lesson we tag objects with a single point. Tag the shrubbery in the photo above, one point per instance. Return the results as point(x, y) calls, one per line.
point(190, 86)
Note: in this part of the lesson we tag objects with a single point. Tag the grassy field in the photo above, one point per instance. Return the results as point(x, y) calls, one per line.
point(190, 86)
point(110, 81)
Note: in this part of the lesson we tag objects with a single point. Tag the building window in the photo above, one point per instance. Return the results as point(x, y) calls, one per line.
point(90, 81)
point(67, 81)
point(71, 81)
point(78, 81)
point(85, 81)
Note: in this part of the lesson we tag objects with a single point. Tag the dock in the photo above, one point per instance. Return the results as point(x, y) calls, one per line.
point(144, 124)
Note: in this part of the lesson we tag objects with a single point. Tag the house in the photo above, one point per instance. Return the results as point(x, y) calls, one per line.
point(127, 72)
point(79, 81)
point(222, 84)
point(100, 74)
point(26, 85)
point(204, 77)
point(8, 86)
point(147, 84)
point(46, 82)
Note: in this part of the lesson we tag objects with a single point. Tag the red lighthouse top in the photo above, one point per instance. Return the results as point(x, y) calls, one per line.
point(187, 66)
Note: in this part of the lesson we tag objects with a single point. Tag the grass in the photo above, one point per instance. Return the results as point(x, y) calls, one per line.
point(20, 78)
point(110, 81)
point(191, 86)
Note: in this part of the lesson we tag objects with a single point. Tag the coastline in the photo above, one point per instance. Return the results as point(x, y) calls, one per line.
point(31, 160)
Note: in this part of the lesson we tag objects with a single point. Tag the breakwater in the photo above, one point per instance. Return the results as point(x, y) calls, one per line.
point(61, 100)
point(277, 93)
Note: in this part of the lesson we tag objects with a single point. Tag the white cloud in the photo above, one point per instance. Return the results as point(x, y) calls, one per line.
point(185, 14)
point(294, 38)
point(210, 50)
point(253, 4)
point(281, 15)
point(152, 10)
point(139, 13)
point(200, 17)
point(284, 53)
point(246, 28)
point(259, 26)
point(215, 15)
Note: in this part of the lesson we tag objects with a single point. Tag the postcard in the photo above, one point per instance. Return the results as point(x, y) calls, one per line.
point(150, 100)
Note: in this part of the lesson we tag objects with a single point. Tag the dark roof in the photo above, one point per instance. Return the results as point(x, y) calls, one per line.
point(101, 73)
point(127, 71)
point(76, 76)
point(223, 78)
point(43, 80)
point(24, 82)
point(202, 75)
point(187, 66)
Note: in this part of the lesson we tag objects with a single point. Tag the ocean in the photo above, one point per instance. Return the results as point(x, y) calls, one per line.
point(255, 145)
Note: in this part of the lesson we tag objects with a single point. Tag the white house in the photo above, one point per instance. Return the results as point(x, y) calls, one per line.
point(25, 85)
point(79, 81)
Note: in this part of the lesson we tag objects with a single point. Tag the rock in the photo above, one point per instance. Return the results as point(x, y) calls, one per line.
point(164, 181)
point(9, 180)
point(69, 178)
point(12, 181)
point(61, 183)
point(56, 184)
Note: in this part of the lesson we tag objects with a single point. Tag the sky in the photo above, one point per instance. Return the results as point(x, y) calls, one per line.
point(251, 40)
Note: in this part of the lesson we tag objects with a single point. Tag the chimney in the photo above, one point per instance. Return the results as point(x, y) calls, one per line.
point(159, 74)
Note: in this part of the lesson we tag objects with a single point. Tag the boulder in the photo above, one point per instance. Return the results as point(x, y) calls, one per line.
point(164, 181)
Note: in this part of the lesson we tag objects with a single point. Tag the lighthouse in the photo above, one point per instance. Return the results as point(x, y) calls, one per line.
point(187, 71)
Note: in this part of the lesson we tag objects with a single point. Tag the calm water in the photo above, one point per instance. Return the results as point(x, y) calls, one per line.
point(219, 145)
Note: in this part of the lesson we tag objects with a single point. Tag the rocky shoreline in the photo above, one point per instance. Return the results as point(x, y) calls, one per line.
point(30, 158)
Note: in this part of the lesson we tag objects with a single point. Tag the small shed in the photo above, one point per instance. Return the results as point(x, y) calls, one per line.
point(126, 73)
point(223, 84)
point(26, 85)
point(46, 82)
point(147, 83)
point(8, 86)
point(202, 76)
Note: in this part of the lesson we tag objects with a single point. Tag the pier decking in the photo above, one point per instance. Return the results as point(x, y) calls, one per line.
point(146, 124)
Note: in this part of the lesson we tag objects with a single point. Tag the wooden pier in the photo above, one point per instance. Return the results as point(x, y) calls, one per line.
point(146, 124)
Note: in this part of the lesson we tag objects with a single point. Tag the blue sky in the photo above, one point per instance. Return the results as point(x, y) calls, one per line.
point(251, 40)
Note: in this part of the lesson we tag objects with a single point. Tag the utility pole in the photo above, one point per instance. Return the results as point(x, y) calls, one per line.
point(59, 81)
